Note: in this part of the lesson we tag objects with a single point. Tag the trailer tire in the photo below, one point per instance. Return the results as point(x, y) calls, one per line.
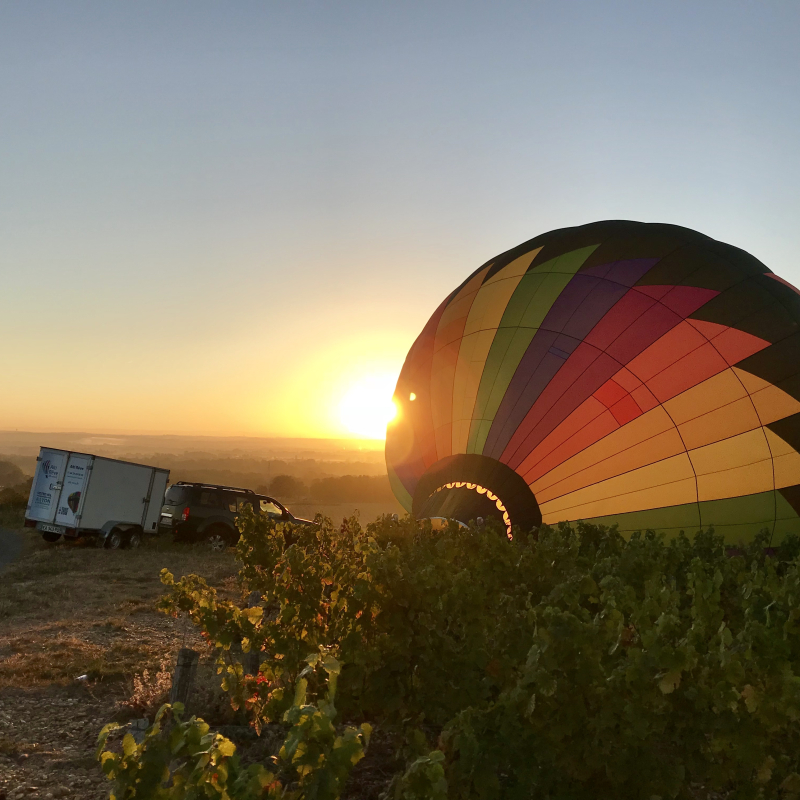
point(114, 540)
point(51, 537)
point(134, 540)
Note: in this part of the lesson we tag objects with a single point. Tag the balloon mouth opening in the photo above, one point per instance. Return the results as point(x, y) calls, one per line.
point(467, 487)
point(467, 502)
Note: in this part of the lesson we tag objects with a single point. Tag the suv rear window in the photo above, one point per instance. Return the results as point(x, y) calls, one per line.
point(176, 495)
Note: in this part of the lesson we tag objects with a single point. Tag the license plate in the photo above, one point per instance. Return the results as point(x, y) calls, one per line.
point(48, 528)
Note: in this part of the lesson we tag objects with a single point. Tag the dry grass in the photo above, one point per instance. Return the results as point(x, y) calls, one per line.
point(150, 690)
point(70, 609)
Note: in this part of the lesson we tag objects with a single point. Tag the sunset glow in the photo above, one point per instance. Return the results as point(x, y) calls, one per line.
point(367, 408)
point(218, 224)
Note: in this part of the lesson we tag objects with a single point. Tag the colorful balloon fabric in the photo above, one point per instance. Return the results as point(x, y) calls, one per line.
point(618, 372)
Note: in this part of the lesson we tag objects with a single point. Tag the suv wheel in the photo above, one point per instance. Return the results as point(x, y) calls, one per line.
point(218, 538)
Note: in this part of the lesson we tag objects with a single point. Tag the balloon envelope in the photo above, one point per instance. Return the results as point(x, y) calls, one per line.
point(618, 372)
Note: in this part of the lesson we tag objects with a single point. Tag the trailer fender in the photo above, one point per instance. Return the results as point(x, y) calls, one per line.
point(128, 531)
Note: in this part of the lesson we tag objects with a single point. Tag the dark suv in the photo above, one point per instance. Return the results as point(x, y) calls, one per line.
point(194, 512)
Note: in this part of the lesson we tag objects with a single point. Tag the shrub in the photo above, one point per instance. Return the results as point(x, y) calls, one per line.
point(178, 759)
point(16, 497)
point(568, 666)
point(660, 667)
point(150, 690)
point(10, 474)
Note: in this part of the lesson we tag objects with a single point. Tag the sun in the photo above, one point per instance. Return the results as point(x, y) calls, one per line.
point(367, 408)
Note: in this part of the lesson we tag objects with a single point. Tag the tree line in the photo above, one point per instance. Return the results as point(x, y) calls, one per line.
point(342, 489)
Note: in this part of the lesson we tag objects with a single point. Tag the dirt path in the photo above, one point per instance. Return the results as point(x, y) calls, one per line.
point(47, 743)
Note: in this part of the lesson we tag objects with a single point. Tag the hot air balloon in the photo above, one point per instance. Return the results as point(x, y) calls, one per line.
point(626, 373)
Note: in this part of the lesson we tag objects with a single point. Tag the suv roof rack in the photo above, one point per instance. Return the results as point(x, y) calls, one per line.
point(213, 486)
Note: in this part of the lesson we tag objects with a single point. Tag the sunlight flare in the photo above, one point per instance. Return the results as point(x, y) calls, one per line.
point(367, 407)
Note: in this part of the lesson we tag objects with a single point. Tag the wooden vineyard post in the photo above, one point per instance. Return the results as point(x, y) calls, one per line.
point(183, 679)
point(251, 661)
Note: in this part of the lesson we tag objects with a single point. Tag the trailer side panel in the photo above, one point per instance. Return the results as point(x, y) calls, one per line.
point(117, 491)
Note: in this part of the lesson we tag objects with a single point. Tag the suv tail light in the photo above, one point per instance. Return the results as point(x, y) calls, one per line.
point(185, 514)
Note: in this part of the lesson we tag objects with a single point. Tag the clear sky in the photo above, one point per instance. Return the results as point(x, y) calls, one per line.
point(220, 217)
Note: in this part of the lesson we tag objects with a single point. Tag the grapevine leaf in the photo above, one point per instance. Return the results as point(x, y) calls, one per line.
point(227, 748)
point(128, 744)
point(670, 681)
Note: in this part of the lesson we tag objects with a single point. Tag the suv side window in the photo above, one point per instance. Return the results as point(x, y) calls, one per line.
point(210, 499)
point(229, 501)
point(242, 501)
point(268, 507)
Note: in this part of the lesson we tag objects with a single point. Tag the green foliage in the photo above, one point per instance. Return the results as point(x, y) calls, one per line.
point(424, 779)
point(14, 497)
point(320, 759)
point(178, 759)
point(656, 667)
point(10, 474)
point(569, 666)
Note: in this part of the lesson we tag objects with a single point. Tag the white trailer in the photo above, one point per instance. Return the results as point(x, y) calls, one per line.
point(79, 494)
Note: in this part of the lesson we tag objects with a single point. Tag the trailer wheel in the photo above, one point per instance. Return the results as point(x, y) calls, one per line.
point(51, 537)
point(114, 540)
point(134, 540)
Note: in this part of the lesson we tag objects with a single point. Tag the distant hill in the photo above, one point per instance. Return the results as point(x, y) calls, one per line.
point(250, 462)
point(26, 463)
point(26, 443)
point(10, 475)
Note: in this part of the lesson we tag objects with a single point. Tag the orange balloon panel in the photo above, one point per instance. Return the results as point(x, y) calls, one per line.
point(619, 372)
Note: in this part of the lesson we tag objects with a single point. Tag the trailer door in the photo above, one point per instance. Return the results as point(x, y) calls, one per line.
point(155, 500)
point(47, 484)
point(76, 477)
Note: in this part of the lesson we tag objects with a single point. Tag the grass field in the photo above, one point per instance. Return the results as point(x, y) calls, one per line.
point(71, 609)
